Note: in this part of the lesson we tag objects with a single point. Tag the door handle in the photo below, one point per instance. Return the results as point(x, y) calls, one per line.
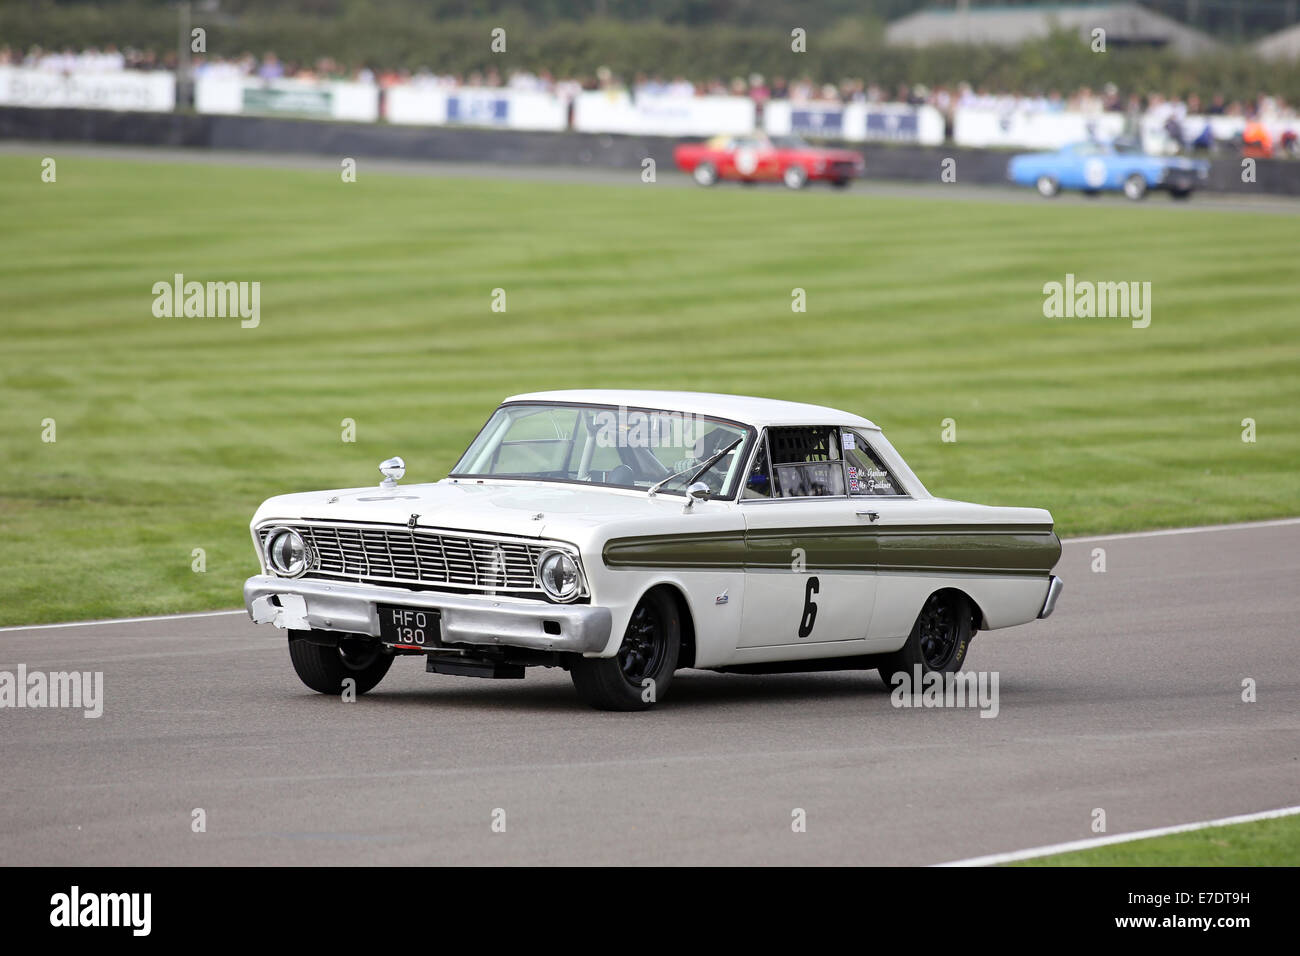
point(873, 515)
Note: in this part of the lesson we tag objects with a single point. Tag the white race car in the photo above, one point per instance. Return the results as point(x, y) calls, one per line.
point(623, 535)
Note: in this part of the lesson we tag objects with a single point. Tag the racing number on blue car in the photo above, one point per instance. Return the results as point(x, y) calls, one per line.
point(809, 607)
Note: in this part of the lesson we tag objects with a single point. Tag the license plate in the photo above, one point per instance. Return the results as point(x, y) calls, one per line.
point(409, 627)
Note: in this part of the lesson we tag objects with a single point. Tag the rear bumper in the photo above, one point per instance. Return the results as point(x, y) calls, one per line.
point(1054, 588)
point(303, 604)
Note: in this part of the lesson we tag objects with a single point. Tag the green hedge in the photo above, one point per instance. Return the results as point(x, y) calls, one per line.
point(853, 48)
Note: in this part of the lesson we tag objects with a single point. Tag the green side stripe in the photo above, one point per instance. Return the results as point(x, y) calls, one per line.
point(990, 549)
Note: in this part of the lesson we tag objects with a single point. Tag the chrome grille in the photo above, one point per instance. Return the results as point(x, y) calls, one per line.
point(419, 557)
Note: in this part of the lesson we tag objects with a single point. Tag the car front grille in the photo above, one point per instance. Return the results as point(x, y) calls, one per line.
point(420, 558)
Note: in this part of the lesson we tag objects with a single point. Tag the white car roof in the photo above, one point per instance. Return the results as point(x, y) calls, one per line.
point(740, 408)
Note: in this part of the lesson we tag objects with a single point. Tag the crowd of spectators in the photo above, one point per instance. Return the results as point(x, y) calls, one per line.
point(799, 90)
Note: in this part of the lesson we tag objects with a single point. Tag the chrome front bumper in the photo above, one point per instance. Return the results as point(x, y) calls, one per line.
point(1054, 589)
point(305, 604)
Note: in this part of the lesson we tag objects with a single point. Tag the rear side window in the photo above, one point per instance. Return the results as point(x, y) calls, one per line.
point(866, 473)
point(806, 461)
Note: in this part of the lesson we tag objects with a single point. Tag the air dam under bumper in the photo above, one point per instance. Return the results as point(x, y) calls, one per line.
point(466, 618)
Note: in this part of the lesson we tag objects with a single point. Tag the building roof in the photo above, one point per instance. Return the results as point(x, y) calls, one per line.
point(740, 408)
point(1283, 45)
point(1124, 23)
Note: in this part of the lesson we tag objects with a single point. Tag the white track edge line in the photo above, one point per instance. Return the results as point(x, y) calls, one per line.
point(1199, 529)
point(996, 858)
point(121, 620)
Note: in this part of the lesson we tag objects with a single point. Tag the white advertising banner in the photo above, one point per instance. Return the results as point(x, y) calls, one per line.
point(618, 112)
point(428, 105)
point(980, 127)
point(856, 122)
point(149, 92)
point(323, 100)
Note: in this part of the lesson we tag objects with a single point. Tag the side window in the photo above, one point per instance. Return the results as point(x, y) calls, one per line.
point(867, 475)
point(758, 483)
point(806, 461)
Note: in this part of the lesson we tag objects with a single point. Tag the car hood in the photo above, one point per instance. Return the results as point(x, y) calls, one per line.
point(496, 507)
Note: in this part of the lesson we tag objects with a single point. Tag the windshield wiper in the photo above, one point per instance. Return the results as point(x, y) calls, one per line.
point(696, 472)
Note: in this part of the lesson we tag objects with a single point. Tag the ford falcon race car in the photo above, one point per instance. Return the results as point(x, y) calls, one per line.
point(1118, 166)
point(757, 158)
point(624, 535)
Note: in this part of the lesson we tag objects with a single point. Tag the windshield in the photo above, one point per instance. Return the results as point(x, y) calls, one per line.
point(606, 445)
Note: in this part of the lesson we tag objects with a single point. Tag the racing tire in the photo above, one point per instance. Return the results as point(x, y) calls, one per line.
point(1048, 186)
point(1180, 193)
point(938, 642)
point(324, 667)
point(1135, 187)
point(641, 671)
point(706, 174)
point(841, 183)
point(795, 177)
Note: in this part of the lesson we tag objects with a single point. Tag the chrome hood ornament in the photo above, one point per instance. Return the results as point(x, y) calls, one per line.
point(392, 470)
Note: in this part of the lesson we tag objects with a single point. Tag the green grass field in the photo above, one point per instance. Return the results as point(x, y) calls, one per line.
point(376, 307)
point(1263, 843)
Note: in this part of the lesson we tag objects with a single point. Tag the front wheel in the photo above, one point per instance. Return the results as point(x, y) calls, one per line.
point(1135, 187)
point(641, 671)
point(706, 174)
point(324, 667)
point(938, 642)
point(1047, 186)
point(796, 177)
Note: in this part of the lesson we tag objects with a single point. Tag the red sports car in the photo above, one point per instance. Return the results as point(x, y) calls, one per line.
point(757, 158)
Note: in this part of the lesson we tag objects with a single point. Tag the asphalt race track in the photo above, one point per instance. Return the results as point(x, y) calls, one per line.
point(606, 176)
point(1128, 699)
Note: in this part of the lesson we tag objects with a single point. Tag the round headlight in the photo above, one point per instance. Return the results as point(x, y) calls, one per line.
point(559, 576)
point(286, 552)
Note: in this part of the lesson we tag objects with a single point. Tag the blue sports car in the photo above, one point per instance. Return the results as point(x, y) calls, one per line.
point(1094, 167)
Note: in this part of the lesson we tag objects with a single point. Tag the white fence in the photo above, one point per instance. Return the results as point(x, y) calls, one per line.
point(358, 102)
point(427, 105)
point(1031, 129)
point(150, 92)
point(856, 122)
point(619, 112)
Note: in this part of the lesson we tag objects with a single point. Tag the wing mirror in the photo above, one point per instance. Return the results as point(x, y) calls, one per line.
point(698, 491)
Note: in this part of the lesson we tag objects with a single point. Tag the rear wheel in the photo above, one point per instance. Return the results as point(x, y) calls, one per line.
point(939, 639)
point(841, 183)
point(641, 671)
point(706, 174)
point(324, 667)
